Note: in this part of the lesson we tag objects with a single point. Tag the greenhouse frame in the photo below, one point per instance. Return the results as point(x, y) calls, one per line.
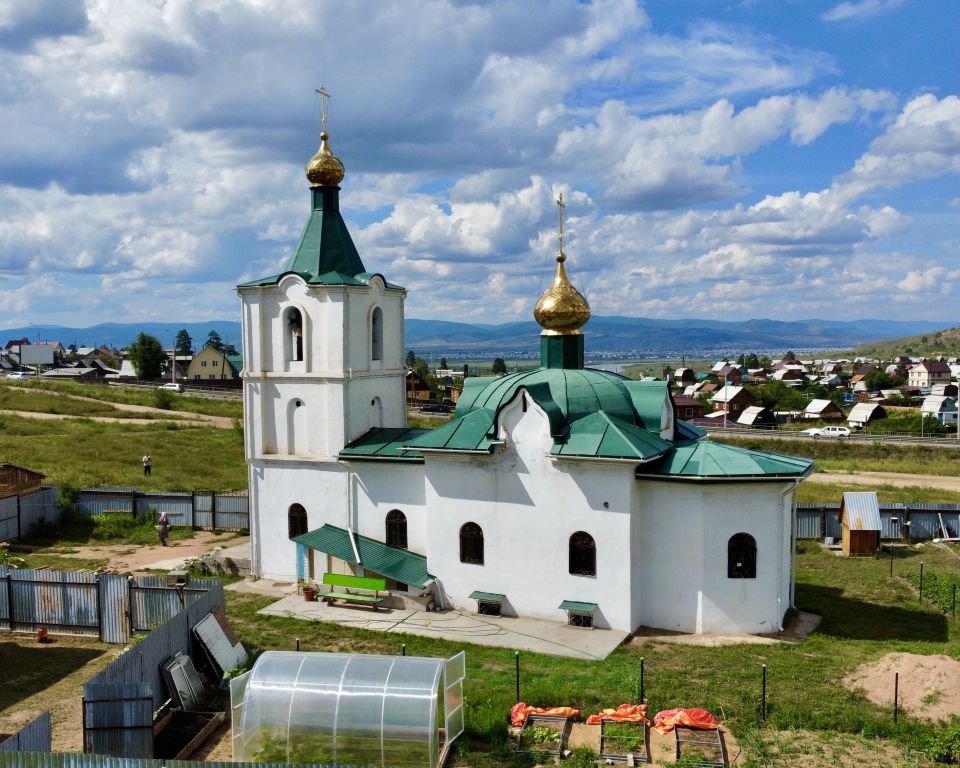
point(341, 708)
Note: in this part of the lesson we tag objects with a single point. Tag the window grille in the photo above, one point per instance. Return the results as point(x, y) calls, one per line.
point(742, 557)
point(471, 544)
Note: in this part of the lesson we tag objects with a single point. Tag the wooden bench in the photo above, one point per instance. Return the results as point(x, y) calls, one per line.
point(353, 582)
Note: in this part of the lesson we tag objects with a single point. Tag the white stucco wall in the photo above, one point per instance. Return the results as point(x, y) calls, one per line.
point(683, 560)
point(528, 507)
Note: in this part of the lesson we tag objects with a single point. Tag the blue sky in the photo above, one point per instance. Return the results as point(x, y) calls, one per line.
point(762, 158)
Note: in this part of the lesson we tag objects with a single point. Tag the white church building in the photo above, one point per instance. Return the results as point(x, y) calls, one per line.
point(561, 493)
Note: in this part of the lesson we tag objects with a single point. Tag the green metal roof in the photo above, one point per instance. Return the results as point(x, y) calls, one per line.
point(601, 435)
point(687, 431)
point(491, 596)
point(472, 432)
point(648, 398)
point(325, 253)
point(706, 459)
point(576, 392)
point(578, 607)
point(397, 564)
point(382, 443)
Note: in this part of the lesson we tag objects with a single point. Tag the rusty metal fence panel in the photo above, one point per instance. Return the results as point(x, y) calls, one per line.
point(925, 520)
point(200, 509)
point(77, 760)
point(152, 602)
point(118, 719)
point(141, 664)
point(110, 606)
point(35, 736)
point(9, 518)
point(63, 600)
point(114, 606)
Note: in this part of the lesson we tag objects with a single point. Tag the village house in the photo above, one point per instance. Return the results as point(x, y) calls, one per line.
point(210, 364)
point(943, 409)
point(823, 410)
point(863, 413)
point(927, 373)
point(732, 400)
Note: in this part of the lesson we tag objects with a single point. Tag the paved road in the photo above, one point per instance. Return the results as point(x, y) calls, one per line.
point(859, 439)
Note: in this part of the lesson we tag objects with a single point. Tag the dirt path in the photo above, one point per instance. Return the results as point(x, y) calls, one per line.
point(126, 557)
point(896, 479)
point(221, 422)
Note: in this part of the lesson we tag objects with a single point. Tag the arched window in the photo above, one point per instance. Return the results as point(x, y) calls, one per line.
point(294, 346)
point(742, 557)
point(471, 544)
point(376, 334)
point(396, 529)
point(583, 554)
point(296, 520)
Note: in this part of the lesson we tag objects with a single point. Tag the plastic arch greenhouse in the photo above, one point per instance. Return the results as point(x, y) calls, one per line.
point(347, 709)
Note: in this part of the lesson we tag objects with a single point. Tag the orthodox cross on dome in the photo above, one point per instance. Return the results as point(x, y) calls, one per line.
point(561, 256)
point(324, 95)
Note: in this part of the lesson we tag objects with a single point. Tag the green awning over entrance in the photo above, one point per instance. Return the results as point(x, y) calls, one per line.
point(491, 596)
point(396, 564)
point(576, 607)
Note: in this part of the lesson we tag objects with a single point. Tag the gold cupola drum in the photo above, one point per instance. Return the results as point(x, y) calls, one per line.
point(561, 311)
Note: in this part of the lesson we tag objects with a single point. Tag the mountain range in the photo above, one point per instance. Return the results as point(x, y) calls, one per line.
point(613, 336)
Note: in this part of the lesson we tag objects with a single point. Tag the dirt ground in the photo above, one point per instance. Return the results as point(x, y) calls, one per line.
point(38, 677)
point(929, 685)
point(896, 479)
point(126, 557)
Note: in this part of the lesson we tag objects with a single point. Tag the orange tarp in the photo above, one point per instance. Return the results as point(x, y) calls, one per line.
point(665, 721)
point(625, 713)
point(519, 712)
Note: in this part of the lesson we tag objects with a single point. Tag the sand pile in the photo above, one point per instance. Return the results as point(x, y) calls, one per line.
point(929, 685)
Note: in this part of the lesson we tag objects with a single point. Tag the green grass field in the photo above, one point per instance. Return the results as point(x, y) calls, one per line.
point(80, 453)
point(107, 394)
point(866, 614)
point(858, 457)
point(40, 401)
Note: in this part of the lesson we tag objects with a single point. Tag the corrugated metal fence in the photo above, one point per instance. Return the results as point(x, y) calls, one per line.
point(74, 760)
point(20, 514)
point(817, 521)
point(201, 509)
point(108, 606)
point(118, 702)
point(35, 736)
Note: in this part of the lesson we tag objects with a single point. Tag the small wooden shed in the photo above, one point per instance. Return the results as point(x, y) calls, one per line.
point(16, 480)
point(860, 521)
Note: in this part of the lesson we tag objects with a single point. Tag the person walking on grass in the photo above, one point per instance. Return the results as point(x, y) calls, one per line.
point(163, 527)
point(147, 463)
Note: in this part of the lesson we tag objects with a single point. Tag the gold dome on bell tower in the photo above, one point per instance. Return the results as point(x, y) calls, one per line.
point(561, 310)
point(324, 169)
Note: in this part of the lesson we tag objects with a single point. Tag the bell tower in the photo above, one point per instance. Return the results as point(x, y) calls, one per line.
point(322, 340)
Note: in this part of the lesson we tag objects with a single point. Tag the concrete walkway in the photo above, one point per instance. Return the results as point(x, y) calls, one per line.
point(517, 634)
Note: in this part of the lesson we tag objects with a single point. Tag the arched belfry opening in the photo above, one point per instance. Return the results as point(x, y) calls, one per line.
point(293, 334)
point(376, 334)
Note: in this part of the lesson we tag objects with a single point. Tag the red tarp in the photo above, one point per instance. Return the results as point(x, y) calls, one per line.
point(664, 722)
point(519, 712)
point(625, 713)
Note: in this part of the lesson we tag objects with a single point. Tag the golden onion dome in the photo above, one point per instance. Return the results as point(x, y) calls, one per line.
point(561, 310)
point(324, 169)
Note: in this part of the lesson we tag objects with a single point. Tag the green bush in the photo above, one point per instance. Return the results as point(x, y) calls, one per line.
point(163, 399)
point(937, 588)
point(944, 744)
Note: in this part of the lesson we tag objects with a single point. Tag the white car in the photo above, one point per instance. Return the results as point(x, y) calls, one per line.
point(18, 375)
point(832, 431)
point(172, 387)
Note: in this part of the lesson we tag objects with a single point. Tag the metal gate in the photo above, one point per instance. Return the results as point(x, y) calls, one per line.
point(9, 518)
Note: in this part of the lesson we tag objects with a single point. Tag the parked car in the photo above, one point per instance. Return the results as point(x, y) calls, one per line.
point(18, 375)
point(172, 387)
point(831, 431)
